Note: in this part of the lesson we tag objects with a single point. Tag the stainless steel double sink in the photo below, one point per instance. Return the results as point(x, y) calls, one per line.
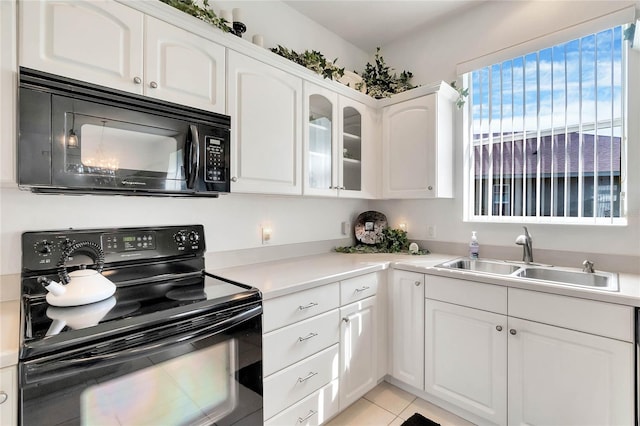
point(536, 273)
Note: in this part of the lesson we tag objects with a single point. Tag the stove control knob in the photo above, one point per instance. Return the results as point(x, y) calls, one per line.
point(66, 244)
point(194, 237)
point(180, 237)
point(44, 247)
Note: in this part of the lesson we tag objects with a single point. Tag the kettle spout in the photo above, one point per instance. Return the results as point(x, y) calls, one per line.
point(51, 286)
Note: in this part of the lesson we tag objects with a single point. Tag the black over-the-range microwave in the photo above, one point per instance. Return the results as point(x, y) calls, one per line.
point(77, 137)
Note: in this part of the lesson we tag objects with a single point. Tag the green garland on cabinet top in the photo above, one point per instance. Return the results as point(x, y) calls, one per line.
point(203, 12)
point(380, 82)
point(313, 60)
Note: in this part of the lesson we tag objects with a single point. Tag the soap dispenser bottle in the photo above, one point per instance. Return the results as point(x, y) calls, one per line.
point(474, 246)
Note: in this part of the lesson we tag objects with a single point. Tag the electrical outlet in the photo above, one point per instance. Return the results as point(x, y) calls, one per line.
point(346, 228)
point(431, 231)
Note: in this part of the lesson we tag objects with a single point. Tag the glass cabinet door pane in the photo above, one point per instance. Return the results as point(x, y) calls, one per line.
point(352, 149)
point(320, 126)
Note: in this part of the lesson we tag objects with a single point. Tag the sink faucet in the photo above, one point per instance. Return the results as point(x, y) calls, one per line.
point(587, 266)
point(526, 242)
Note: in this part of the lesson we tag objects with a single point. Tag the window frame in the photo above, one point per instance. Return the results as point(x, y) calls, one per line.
point(468, 165)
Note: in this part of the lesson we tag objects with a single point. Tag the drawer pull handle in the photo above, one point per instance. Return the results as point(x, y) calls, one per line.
point(310, 305)
point(513, 332)
point(363, 288)
point(309, 336)
point(311, 414)
point(499, 327)
point(308, 376)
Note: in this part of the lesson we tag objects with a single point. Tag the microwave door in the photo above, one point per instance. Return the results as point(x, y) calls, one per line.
point(105, 147)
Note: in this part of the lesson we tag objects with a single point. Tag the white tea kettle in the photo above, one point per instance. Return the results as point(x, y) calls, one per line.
point(82, 286)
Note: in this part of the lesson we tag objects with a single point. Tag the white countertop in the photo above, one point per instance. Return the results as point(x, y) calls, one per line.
point(277, 278)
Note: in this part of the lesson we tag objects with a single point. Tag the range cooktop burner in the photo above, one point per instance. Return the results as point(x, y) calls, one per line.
point(156, 283)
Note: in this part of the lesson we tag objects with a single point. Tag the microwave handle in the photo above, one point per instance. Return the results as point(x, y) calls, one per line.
point(194, 157)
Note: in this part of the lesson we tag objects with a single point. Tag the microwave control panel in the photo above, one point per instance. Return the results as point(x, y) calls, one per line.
point(215, 160)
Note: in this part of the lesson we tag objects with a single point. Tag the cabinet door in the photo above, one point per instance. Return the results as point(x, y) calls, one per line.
point(417, 148)
point(95, 41)
point(320, 141)
point(358, 345)
point(466, 358)
point(357, 151)
point(183, 68)
point(564, 377)
point(8, 73)
point(266, 134)
point(407, 334)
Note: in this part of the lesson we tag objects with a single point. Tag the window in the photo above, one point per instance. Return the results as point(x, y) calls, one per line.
point(546, 134)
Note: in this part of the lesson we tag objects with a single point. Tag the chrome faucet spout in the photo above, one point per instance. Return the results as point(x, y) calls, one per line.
point(527, 246)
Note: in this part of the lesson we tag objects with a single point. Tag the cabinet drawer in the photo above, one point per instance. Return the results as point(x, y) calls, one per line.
point(295, 382)
point(358, 288)
point(486, 297)
point(590, 316)
point(295, 307)
point(290, 344)
point(314, 410)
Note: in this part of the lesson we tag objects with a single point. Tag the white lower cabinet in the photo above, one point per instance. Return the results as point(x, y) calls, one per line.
point(313, 410)
point(565, 377)
point(576, 368)
point(406, 294)
point(320, 350)
point(358, 344)
point(466, 358)
point(293, 383)
point(9, 396)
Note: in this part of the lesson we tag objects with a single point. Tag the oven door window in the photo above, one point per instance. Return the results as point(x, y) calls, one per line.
point(195, 388)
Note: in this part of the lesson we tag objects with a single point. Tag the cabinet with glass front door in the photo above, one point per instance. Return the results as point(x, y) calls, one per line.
point(339, 145)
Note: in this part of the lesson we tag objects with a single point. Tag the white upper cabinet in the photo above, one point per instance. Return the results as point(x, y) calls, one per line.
point(183, 68)
point(107, 43)
point(417, 146)
point(320, 141)
point(339, 145)
point(266, 135)
point(95, 41)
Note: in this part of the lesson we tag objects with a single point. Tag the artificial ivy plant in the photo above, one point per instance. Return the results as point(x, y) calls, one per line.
point(313, 60)
point(203, 12)
point(393, 241)
point(379, 80)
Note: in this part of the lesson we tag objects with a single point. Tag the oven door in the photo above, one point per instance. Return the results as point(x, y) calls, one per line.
point(202, 370)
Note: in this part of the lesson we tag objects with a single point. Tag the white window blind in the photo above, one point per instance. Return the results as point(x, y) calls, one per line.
point(546, 134)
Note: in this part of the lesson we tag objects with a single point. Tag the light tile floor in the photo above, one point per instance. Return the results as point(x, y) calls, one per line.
point(388, 405)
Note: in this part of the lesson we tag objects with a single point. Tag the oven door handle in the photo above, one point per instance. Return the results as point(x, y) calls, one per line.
point(51, 368)
point(194, 157)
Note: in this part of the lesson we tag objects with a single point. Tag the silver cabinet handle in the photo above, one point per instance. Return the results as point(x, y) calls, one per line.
point(310, 305)
point(307, 377)
point(137, 80)
point(499, 327)
point(3, 397)
point(363, 288)
point(417, 283)
point(513, 332)
point(429, 187)
point(345, 319)
point(311, 413)
point(234, 179)
point(153, 85)
point(307, 337)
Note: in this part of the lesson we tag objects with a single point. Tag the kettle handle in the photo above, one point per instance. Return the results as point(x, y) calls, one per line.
point(90, 248)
